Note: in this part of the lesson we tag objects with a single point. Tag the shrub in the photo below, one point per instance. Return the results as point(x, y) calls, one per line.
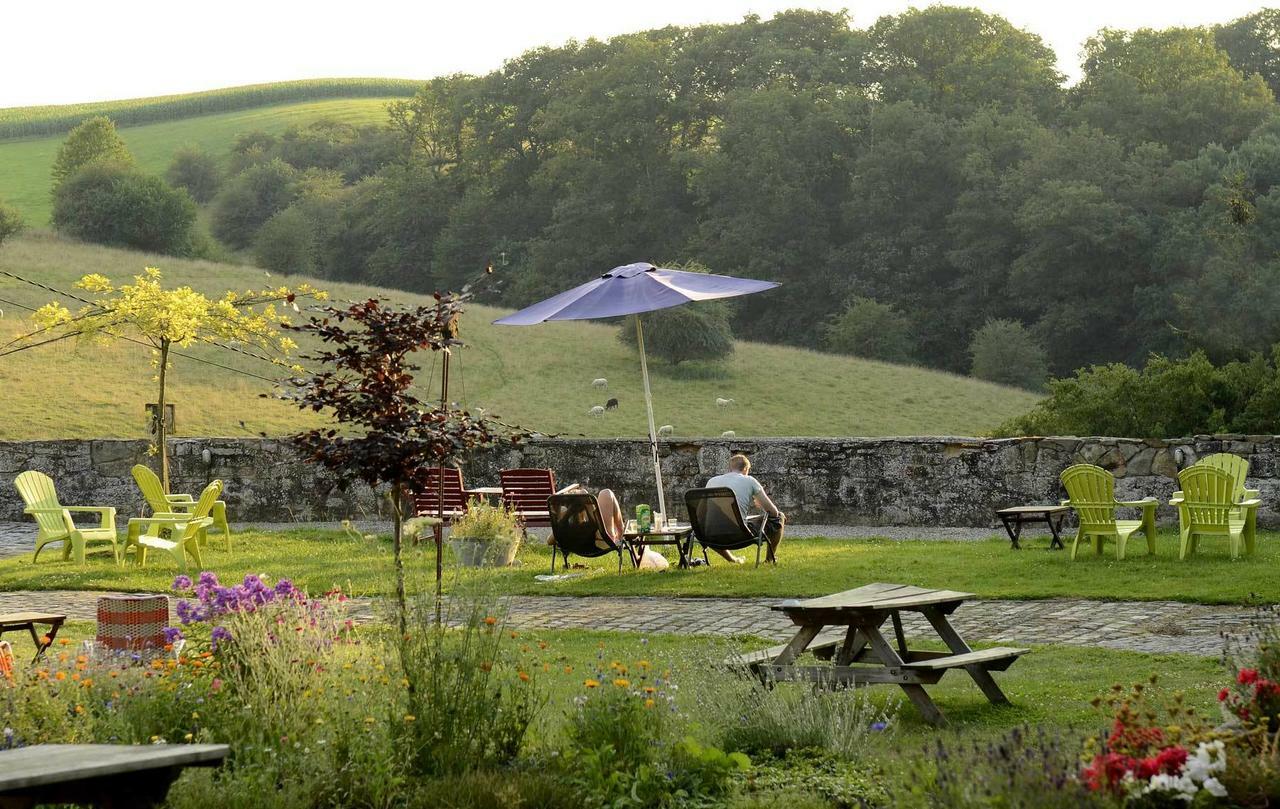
point(114, 204)
point(93, 141)
point(195, 171)
point(1004, 352)
point(11, 223)
point(286, 243)
point(698, 331)
point(870, 329)
point(250, 199)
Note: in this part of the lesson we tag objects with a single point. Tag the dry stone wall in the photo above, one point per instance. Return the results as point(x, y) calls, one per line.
point(935, 481)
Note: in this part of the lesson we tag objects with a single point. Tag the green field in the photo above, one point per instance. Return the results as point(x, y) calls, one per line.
point(25, 164)
point(539, 377)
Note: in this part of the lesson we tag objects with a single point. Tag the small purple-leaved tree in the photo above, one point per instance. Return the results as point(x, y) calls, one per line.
point(383, 434)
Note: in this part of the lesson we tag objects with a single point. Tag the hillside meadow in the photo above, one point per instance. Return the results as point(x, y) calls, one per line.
point(25, 163)
point(538, 377)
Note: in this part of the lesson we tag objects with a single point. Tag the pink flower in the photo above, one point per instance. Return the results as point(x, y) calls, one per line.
point(216, 685)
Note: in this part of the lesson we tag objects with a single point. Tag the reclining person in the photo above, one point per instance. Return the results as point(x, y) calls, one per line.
point(750, 493)
point(615, 526)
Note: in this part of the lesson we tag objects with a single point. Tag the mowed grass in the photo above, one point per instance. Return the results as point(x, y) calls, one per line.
point(538, 376)
point(25, 164)
point(321, 560)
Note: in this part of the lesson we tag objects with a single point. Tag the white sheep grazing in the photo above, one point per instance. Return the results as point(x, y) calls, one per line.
point(723, 402)
point(666, 430)
point(601, 383)
point(598, 410)
point(728, 434)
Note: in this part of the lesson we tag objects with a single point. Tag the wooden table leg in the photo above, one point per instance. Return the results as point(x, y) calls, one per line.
point(1013, 536)
point(797, 645)
point(916, 693)
point(957, 645)
point(1056, 530)
point(855, 640)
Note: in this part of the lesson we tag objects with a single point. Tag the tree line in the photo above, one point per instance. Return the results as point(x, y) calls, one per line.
point(923, 187)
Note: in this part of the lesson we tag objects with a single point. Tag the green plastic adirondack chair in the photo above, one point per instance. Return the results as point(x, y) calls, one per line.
point(186, 530)
point(161, 503)
point(1238, 469)
point(1091, 492)
point(53, 520)
point(1208, 508)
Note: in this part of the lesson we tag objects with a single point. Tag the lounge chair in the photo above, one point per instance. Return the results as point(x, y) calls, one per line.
point(525, 492)
point(186, 530)
point(1091, 492)
point(578, 528)
point(427, 501)
point(161, 503)
point(1208, 508)
point(1246, 501)
point(718, 524)
point(53, 520)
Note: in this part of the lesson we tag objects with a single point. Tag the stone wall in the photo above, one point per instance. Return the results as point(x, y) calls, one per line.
point(855, 481)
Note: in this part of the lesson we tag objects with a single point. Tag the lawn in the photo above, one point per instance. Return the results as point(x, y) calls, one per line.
point(25, 164)
point(535, 377)
point(321, 560)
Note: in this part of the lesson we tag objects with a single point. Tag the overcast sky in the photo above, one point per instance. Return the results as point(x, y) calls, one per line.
point(88, 50)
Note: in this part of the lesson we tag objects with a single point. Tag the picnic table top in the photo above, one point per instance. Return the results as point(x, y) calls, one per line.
point(1049, 509)
point(878, 596)
point(44, 764)
point(30, 617)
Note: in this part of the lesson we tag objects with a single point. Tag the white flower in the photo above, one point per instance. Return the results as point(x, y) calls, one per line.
point(1215, 788)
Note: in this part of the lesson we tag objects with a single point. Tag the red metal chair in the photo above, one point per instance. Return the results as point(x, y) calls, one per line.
point(525, 491)
point(427, 501)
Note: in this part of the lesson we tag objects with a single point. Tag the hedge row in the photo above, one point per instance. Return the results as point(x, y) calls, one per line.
point(27, 122)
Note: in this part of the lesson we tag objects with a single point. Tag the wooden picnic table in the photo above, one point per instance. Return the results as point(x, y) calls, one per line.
point(106, 775)
point(676, 534)
point(18, 621)
point(862, 655)
point(1014, 517)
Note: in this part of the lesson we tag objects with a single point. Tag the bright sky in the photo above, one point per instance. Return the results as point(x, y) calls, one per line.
point(88, 50)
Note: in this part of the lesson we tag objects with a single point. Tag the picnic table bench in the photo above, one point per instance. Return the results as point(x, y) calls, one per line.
point(106, 775)
point(18, 621)
point(863, 656)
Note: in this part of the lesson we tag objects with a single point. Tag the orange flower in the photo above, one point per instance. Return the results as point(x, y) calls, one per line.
point(82, 659)
point(45, 640)
point(62, 675)
point(63, 641)
point(622, 683)
point(648, 689)
point(649, 703)
point(486, 666)
point(514, 636)
point(489, 620)
point(568, 669)
point(524, 677)
point(591, 683)
point(79, 709)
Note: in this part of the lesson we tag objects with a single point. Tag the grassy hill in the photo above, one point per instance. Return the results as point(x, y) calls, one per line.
point(25, 163)
point(537, 376)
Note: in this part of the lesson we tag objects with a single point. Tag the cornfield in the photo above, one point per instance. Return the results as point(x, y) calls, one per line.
point(29, 122)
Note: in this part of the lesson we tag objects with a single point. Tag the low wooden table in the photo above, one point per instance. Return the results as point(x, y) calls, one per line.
point(18, 621)
point(679, 534)
point(486, 491)
point(106, 775)
point(1015, 516)
point(860, 613)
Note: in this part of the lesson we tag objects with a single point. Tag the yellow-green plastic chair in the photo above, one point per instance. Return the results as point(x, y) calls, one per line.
point(1246, 500)
point(53, 520)
point(1091, 492)
point(186, 530)
point(149, 484)
point(1208, 508)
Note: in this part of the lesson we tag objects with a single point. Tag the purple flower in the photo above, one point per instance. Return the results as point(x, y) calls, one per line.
point(208, 579)
point(172, 634)
point(182, 582)
point(219, 634)
point(879, 725)
point(284, 587)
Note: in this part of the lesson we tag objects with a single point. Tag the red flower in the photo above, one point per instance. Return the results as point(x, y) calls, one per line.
point(1223, 694)
point(1247, 676)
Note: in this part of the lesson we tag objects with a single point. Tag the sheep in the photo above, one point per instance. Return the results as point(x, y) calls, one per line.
point(728, 434)
point(666, 430)
point(612, 404)
point(723, 402)
point(601, 383)
point(598, 410)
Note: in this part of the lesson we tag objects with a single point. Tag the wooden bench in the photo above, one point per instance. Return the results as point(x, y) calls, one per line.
point(105, 775)
point(997, 658)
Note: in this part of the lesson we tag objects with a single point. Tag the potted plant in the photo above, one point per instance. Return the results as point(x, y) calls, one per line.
point(486, 535)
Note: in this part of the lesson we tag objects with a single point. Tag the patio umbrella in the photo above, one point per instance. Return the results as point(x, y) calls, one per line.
point(631, 290)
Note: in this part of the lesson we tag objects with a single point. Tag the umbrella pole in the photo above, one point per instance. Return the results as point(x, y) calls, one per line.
point(653, 433)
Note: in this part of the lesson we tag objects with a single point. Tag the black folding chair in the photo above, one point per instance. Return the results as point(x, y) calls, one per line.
point(718, 524)
point(577, 527)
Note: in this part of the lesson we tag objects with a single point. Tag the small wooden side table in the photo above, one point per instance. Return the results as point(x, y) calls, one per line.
point(1015, 517)
point(18, 621)
point(679, 535)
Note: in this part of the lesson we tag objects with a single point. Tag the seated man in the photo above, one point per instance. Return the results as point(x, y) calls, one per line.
point(750, 493)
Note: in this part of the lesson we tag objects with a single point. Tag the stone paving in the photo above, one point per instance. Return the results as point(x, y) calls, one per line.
point(1144, 626)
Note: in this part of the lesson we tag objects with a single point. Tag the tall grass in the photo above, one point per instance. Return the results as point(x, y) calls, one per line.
point(29, 122)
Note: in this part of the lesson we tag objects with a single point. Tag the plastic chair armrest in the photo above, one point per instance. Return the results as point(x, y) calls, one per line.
point(1251, 503)
point(102, 509)
point(179, 498)
point(173, 516)
point(1253, 493)
point(1143, 503)
point(1177, 499)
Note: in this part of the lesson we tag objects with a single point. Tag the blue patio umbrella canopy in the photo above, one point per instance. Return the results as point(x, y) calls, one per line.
point(631, 290)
